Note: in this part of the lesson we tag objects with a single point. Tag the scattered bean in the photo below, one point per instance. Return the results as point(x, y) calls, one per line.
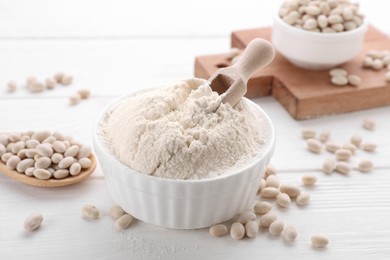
point(343, 167)
point(354, 80)
point(289, 233)
point(283, 200)
point(123, 222)
point(356, 140)
point(218, 230)
point(237, 231)
point(369, 147)
point(308, 133)
point(303, 198)
point(309, 180)
point(365, 166)
point(90, 212)
point(74, 99)
point(84, 93)
point(319, 241)
point(368, 124)
point(324, 135)
point(272, 181)
point(67, 80)
point(267, 219)
point(291, 190)
point(276, 227)
point(33, 222)
point(269, 192)
point(271, 170)
point(339, 80)
point(251, 228)
point(11, 87)
point(314, 146)
point(262, 207)
point(116, 212)
point(332, 147)
point(246, 216)
point(338, 72)
point(343, 154)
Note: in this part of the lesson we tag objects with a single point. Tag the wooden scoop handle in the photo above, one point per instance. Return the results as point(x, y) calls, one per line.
point(259, 53)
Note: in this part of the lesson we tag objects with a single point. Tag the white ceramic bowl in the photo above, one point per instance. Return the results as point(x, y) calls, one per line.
point(183, 204)
point(313, 50)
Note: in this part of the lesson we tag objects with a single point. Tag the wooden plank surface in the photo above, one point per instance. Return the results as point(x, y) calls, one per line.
point(116, 47)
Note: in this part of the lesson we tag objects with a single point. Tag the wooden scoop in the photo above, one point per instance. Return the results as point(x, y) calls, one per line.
point(259, 53)
point(50, 182)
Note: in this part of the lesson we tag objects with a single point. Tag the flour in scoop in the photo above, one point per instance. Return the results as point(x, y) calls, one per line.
point(183, 131)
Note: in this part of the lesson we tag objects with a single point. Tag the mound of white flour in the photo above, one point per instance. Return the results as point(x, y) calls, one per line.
point(182, 132)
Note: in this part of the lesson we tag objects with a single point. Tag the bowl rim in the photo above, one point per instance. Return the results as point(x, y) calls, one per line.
point(343, 34)
point(98, 144)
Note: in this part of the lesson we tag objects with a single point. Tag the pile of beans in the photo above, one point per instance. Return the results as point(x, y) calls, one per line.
point(35, 86)
point(342, 153)
point(326, 16)
point(44, 155)
point(378, 60)
point(340, 77)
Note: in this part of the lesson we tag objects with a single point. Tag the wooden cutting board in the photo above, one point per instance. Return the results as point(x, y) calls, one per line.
point(306, 94)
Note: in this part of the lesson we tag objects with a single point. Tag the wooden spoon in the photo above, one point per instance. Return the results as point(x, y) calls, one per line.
point(259, 53)
point(50, 182)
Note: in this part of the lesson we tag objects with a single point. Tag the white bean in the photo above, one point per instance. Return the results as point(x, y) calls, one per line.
point(354, 80)
point(270, 170)
point(74, 99)
point(269, 192)
point(332, 147)
point(251, 228)
point(42, 174)
point(308, 133)
point(61, 173)
point(343, 167)
point(84, 152)
point(262, 185)
point(90, 212)
point(291, 190)
point(85, 163)
point(24, 164)
point(246, 216)
point(377, 64)
point(289, 233)
point(11, 86)
point(56, 158)
point(66, 162)
point(59, 147)
point(351, 147)
point(324, 135)
point(75, 169)
point(42, 163)
point(272, 181)
point(319, 241)
point(309, 180)
point(218, 230)
point(67, 80)
point(12, 162)
point(283, 200)
point(368, 124)
point(44, 149)
point(303, 198)
point(356, 140)
point(276, 227)
point(262, 207)
point(267, 219)
point(343, 154)
point(33, 222)
point(30, 171)
point(314, 146)
point(116, 212)
point(50, 83)
point(237, 231)
point(58, 77)
point(369, 147)
point(365, 166)
point(72, 151)
point(338, 72)
point(123, 221)
point(329, 165)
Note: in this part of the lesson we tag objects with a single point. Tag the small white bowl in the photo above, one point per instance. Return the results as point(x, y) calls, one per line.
point(183, 204)
point(314, 50)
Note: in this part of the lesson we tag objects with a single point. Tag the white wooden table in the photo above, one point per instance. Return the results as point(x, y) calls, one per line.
point(116, 47)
